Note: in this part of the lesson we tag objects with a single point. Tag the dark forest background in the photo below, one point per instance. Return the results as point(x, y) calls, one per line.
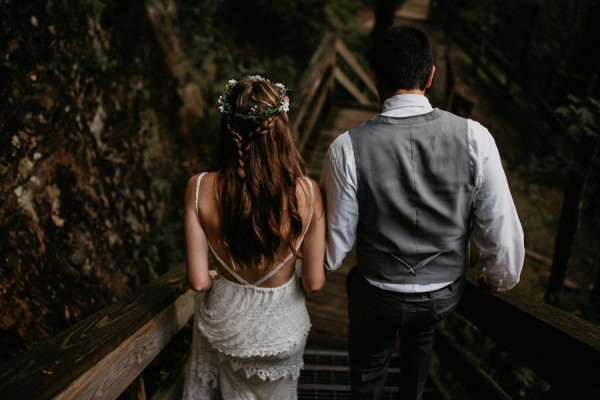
point(107, 107)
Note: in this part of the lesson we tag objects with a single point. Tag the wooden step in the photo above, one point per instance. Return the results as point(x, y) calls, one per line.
point(326, 376)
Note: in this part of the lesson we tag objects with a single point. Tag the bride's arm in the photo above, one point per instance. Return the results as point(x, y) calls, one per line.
point(196, 243)
point(313, 247)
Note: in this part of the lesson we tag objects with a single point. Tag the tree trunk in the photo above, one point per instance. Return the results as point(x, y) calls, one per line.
point(163, 17)
point(567, 228)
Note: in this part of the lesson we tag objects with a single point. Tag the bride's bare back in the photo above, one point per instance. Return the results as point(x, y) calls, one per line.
point(209, 231)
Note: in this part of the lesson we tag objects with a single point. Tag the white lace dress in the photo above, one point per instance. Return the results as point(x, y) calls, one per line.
point(248, 341)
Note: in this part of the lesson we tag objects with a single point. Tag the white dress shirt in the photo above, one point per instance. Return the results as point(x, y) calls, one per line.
point(496, 232)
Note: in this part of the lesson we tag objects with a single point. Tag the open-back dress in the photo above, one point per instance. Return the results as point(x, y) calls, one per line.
point(248, 340)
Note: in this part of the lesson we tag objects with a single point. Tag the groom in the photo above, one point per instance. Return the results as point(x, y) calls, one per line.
point(410, 187)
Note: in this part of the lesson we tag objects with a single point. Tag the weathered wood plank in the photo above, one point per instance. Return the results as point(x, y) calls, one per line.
point(555, 344)
point(350, 58)
point(107, 379)
point(45, 370)
point(316, 111)
point(350, 86)
point(415, 10)
point(322, 59)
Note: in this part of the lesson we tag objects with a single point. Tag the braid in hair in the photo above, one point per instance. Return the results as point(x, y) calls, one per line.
point(242, 151)
point(263, 128)
point(244, 145)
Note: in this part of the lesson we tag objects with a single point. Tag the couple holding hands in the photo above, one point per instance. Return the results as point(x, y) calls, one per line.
point(409, 188)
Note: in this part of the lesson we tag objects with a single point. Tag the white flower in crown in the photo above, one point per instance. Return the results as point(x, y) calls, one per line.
point(286, 104)
point(257, 78)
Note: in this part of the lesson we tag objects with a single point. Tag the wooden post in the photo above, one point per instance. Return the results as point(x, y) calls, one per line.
point(137, 390)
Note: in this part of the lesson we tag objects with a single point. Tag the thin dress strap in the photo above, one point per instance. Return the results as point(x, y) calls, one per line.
point(278, 266)
point(197, 188)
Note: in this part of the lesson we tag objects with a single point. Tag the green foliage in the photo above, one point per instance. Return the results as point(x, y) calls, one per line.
point(196, 21)
point(535, 37)
point(266, 29)
point(582, 117)
point(230, 39)
point(582, 121)
point(170, 246)
point(93, 5)
point(261, 36)
point(518, 381)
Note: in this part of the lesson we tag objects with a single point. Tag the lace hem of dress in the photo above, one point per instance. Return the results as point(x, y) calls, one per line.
point(208, 377)
point(265, 351)
point(202, 381)
point(271, 373)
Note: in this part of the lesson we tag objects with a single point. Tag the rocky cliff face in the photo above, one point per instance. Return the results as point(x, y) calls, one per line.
point(90, 175)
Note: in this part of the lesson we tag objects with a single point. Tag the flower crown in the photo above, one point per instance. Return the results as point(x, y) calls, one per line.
point(253, 114)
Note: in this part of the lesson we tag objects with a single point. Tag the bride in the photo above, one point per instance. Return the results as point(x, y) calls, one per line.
point(263, 222)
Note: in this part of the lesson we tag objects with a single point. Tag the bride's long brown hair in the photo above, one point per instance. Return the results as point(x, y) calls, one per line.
point(257, 172)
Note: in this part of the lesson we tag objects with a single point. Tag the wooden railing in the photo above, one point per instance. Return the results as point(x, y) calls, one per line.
point(561, 348)
point(317, 84)
point(105, 354)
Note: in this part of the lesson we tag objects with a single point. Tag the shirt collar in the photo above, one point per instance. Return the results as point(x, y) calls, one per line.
point(411, 103)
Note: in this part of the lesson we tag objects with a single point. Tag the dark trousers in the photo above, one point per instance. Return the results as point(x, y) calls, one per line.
point(376, 317)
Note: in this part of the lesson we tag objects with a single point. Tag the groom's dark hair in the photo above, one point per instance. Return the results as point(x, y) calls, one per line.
point(401, 58)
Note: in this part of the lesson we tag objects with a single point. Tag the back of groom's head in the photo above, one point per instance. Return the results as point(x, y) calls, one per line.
point(401, 58)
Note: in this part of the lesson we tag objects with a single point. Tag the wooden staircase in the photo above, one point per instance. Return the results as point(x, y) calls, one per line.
point(325, 376)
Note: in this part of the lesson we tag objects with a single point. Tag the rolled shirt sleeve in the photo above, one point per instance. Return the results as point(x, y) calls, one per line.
point(497, 231)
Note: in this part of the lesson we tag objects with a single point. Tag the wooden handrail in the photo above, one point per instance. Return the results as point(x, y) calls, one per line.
point(101, 355)
point(317, 83)
point(320, 63)
point(351, 60)
point(560, 347)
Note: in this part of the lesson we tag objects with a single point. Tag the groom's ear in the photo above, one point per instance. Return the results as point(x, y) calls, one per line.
point(430, 78)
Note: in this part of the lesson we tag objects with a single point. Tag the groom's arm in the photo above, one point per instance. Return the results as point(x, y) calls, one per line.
point(338, 181)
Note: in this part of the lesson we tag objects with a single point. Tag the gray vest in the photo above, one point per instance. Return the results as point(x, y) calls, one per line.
point(415, 193)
